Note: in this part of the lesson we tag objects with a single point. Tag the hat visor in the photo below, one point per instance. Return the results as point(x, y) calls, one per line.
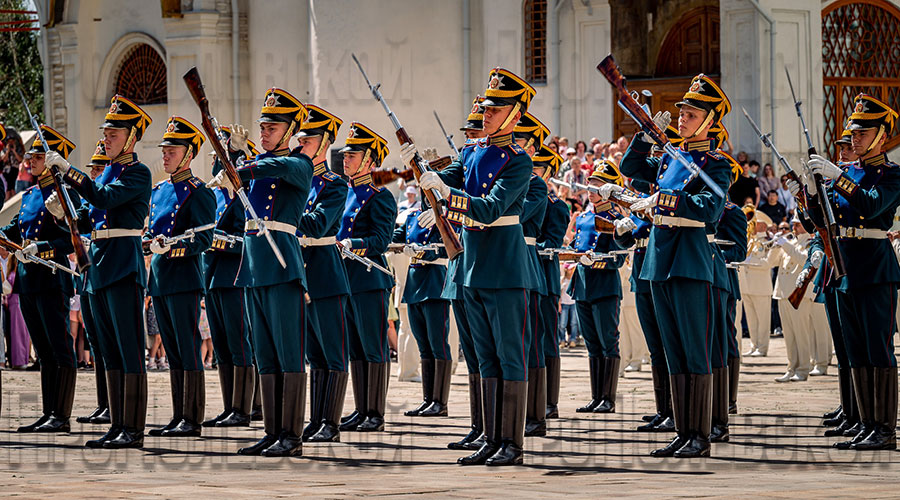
point(272, 118)
point(863, 124)
point(349, 148)
point(117, 124)
point(173, 142)
point(35, 151)
point(311, 132)
point(472, 126)
point(498, 102)
point(843, 140)
point(702, 106)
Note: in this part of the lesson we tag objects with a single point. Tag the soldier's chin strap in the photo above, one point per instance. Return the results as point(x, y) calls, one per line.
point(321, 145)
point(132, 139)
point(286, 137)
point(184, 160)
point(509, 118)
point(707, 121)
point(874, 143)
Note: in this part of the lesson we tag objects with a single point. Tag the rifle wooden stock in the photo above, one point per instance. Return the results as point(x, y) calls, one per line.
point(828, 232)
point(9, 245)
point(82, 259)
point(609, 69)
point(604, 225)
point(797, 295)
point(570, 256)
point(383, 177)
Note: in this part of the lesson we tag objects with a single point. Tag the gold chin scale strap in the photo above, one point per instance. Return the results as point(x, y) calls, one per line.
point(509, 117)
point(286, 137)
point(874, 141)
point(132, 138)
point(321, 145)
point(707, 121)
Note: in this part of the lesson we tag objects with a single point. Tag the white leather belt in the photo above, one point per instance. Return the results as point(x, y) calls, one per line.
point(506, 220)
point(317, 242)
point(271, 225)
point(436, 262)
point(859, 232)
point(530, 241)
point(641, 243)
point(665, 220)
point(104, 234)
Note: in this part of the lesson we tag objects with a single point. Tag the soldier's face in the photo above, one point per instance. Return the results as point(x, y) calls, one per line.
point(353, 164)
point(689, 120)
point(475, 134)
point(862, 139)
point(37, 164)
point(114, 140)
point(309, 145)
point(540, 171)
point(95, 172)
point(594, 197)
point(172, 156)
point(494, 117)
point(270, 134)
point(846, 153)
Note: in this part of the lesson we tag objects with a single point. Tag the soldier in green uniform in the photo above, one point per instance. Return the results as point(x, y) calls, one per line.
point(865, 195)
point(556, 219)
point(367, 225)
point(678, 263)
point(486, 189)
point(178, 204)
point(327, 339)
point(43, 293)
point(597, 290)
point(100, 415)
point(529, 135)
point(474, 130)
point(229, 325)
point(119, 204)
point(278, 182)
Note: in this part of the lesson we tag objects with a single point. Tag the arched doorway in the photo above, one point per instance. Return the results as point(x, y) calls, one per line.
point(860, 53)
point(691, 46)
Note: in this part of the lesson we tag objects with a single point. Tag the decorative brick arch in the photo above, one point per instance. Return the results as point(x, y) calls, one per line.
point(125, 47)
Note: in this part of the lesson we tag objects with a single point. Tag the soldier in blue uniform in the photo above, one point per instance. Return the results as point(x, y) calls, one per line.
point(474, 130)
point(177, 204)
point(546, 164)
point(429, 313)
point(100, 415)
point(678, 263)
point(865, 195)
point(43, 294)
point(367, 225)
point(597, 290)
point(278, 183)
point(486, 189)
point(529, 135)
point(226, 311)
point(327, 339)
point(119, 204)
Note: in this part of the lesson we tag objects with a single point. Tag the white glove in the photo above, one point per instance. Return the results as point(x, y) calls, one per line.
point(818, 165)
point(426, 219)
point(793, 186)
point(346, 243)
point(54, 159)
point(407, 153)
point(409, 251)
point(647, 203)
point(586, 261)
point(624, 225)
point(30, 249)
point(815, 260)
point(238, 140)
point(221, 180)
point(157, 247)
point(430, 180)
point(806, 176)
point(780, 241)
point(54, 205)
point(802, 277)
point(608, 189)
point(7, 288)
point(662, 119)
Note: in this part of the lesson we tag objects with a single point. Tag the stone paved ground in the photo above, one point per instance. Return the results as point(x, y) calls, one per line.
point(776, 451)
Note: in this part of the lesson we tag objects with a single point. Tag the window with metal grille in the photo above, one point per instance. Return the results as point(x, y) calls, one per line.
point(142, 76)
point(535, 40)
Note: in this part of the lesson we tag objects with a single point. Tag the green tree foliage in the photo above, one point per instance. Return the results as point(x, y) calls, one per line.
point(20, 67)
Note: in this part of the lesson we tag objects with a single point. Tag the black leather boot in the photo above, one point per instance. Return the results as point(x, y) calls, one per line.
point(552, 388)
point(358, 374)
point(115, 381)
point(884, 431)
point(226, 384)
point(428, 375)
point(48, 396)
point(333, 405)
point(241, 399)
point(100, 415)
point(660, 377)
point(317, 381)
point(377, 378)
point(848, 417)
point(595, 368)
point(864, 388)
point(719, 431)
point(512, 425)
point(536, 403)
point(194, 406)
point(492, 407)
point(271, 389)
point(845, 385)
point(440, 394)
point(475, 417)
point(65, 395)
point(700, 417)
point(833, 413)
point(289, 442)
point(734, 375)
point(608, 385)
point(680, 387)
point(134, 413)
point(176, 384)
point(256, 408)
